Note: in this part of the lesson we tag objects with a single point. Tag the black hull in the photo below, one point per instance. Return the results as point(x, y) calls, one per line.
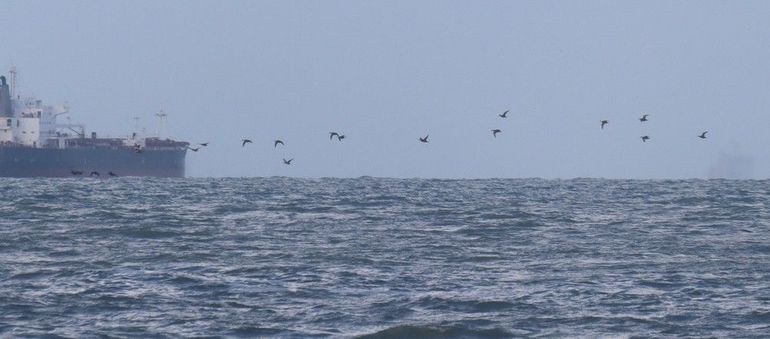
point(20, 162)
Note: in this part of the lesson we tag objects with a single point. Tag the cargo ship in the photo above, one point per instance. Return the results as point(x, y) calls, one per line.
point(34, 144)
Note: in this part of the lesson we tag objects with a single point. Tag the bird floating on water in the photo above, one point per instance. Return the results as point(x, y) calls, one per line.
point(275, 144)
point(504, 114)
point(425, 139)
point(703, 135)
point(495, 131)
point(604, 122)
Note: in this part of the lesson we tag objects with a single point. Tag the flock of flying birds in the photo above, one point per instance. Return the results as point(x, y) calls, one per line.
point(495, 131)
point(138, 149)
point(647, 137)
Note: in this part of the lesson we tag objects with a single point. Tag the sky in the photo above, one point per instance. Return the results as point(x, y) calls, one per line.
point(385, 73)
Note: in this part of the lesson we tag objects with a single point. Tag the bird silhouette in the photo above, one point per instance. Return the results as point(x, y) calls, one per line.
point(193, 149)
point(604, 122)
point(287, 162)
point(275, 144)
point(94, 173)
point(204, 144)
point(244, 142)
point(495, 131)
point(503, 115)
point(333, 134)
point(74, 172)
point(703, 135)
point(644, 118)
point(425, 139)
point(645, 138)
point(112, 174)
point(340, 137)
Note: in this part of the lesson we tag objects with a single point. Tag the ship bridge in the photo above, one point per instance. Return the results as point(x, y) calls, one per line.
point(26, 121)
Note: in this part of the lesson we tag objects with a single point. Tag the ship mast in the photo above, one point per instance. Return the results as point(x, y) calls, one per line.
point(13, 80)
point(161, 121)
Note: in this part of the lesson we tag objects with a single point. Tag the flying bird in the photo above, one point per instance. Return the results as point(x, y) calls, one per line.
point(275, 144)
point(333, 134)
point(503, 115)
point(287, 162)
point(94, 173)
point(645, 138)
point(644, 118)
point(204, 144)
point(245, 141)
point(425, 139)
point(340, 137)
point(112, 174)
point(703, 135)
point(193, 149)
point(495, 131)
point(74, 172)
point(604, 122)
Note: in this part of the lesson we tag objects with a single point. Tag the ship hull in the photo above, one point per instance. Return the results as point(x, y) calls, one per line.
point(19, 162)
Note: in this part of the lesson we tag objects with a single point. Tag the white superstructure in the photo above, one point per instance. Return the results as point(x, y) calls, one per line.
point(33, 124)
point(27, 121)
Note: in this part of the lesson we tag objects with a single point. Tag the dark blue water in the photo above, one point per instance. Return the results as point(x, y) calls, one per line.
point(280, 257)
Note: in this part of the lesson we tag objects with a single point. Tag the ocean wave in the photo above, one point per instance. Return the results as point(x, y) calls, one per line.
point(427, 331)
point(379, 257)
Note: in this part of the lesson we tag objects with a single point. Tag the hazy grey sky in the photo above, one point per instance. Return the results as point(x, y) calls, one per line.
point(387, 72)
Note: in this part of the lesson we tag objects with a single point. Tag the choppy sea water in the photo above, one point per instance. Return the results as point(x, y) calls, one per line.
point(378, 258)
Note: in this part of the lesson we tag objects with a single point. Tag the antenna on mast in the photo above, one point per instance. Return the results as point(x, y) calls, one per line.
point(161, 121)
point(13, 80)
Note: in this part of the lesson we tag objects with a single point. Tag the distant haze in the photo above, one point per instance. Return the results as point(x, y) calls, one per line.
point(385, 73)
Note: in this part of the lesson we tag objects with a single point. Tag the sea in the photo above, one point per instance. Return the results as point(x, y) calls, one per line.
point(383, 258)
